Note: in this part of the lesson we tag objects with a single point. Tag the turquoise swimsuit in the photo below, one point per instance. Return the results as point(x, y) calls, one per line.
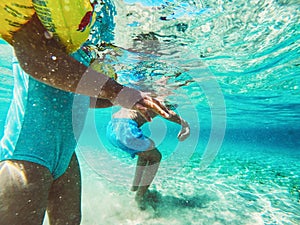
point(39, 124)
point(43, 124)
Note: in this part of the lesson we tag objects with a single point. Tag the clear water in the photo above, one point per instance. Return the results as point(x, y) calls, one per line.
point(237, 66)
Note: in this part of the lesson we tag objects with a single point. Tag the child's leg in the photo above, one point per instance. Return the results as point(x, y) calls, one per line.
point(139, 170)
point(153, 158)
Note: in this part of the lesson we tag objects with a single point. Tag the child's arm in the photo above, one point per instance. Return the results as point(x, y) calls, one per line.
point(185, 128)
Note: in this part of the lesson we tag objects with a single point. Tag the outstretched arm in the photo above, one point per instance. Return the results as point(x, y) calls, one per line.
point(185, 128)
point(45, 60)
point(184, 133)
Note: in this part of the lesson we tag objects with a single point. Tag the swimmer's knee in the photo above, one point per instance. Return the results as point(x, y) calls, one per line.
point(155, 156)
point(152, 155)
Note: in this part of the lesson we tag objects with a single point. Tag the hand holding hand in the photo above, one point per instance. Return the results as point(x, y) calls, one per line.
point(142, 102)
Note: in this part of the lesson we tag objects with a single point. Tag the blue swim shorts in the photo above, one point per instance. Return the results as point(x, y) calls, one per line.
point(125, 134)
point(40, 125)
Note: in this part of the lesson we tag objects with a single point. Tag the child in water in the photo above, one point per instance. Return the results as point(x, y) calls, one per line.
point(124, 131)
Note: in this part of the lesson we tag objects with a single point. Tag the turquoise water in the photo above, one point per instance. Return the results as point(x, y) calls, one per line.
point(233, 69)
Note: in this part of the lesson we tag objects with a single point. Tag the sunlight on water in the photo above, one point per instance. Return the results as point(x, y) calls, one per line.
point(252, 47)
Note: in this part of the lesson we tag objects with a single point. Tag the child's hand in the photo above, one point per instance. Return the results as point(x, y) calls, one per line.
point(184, 132)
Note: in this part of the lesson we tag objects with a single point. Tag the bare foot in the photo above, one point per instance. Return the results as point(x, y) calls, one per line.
point(141, 202)
point(134, 188)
